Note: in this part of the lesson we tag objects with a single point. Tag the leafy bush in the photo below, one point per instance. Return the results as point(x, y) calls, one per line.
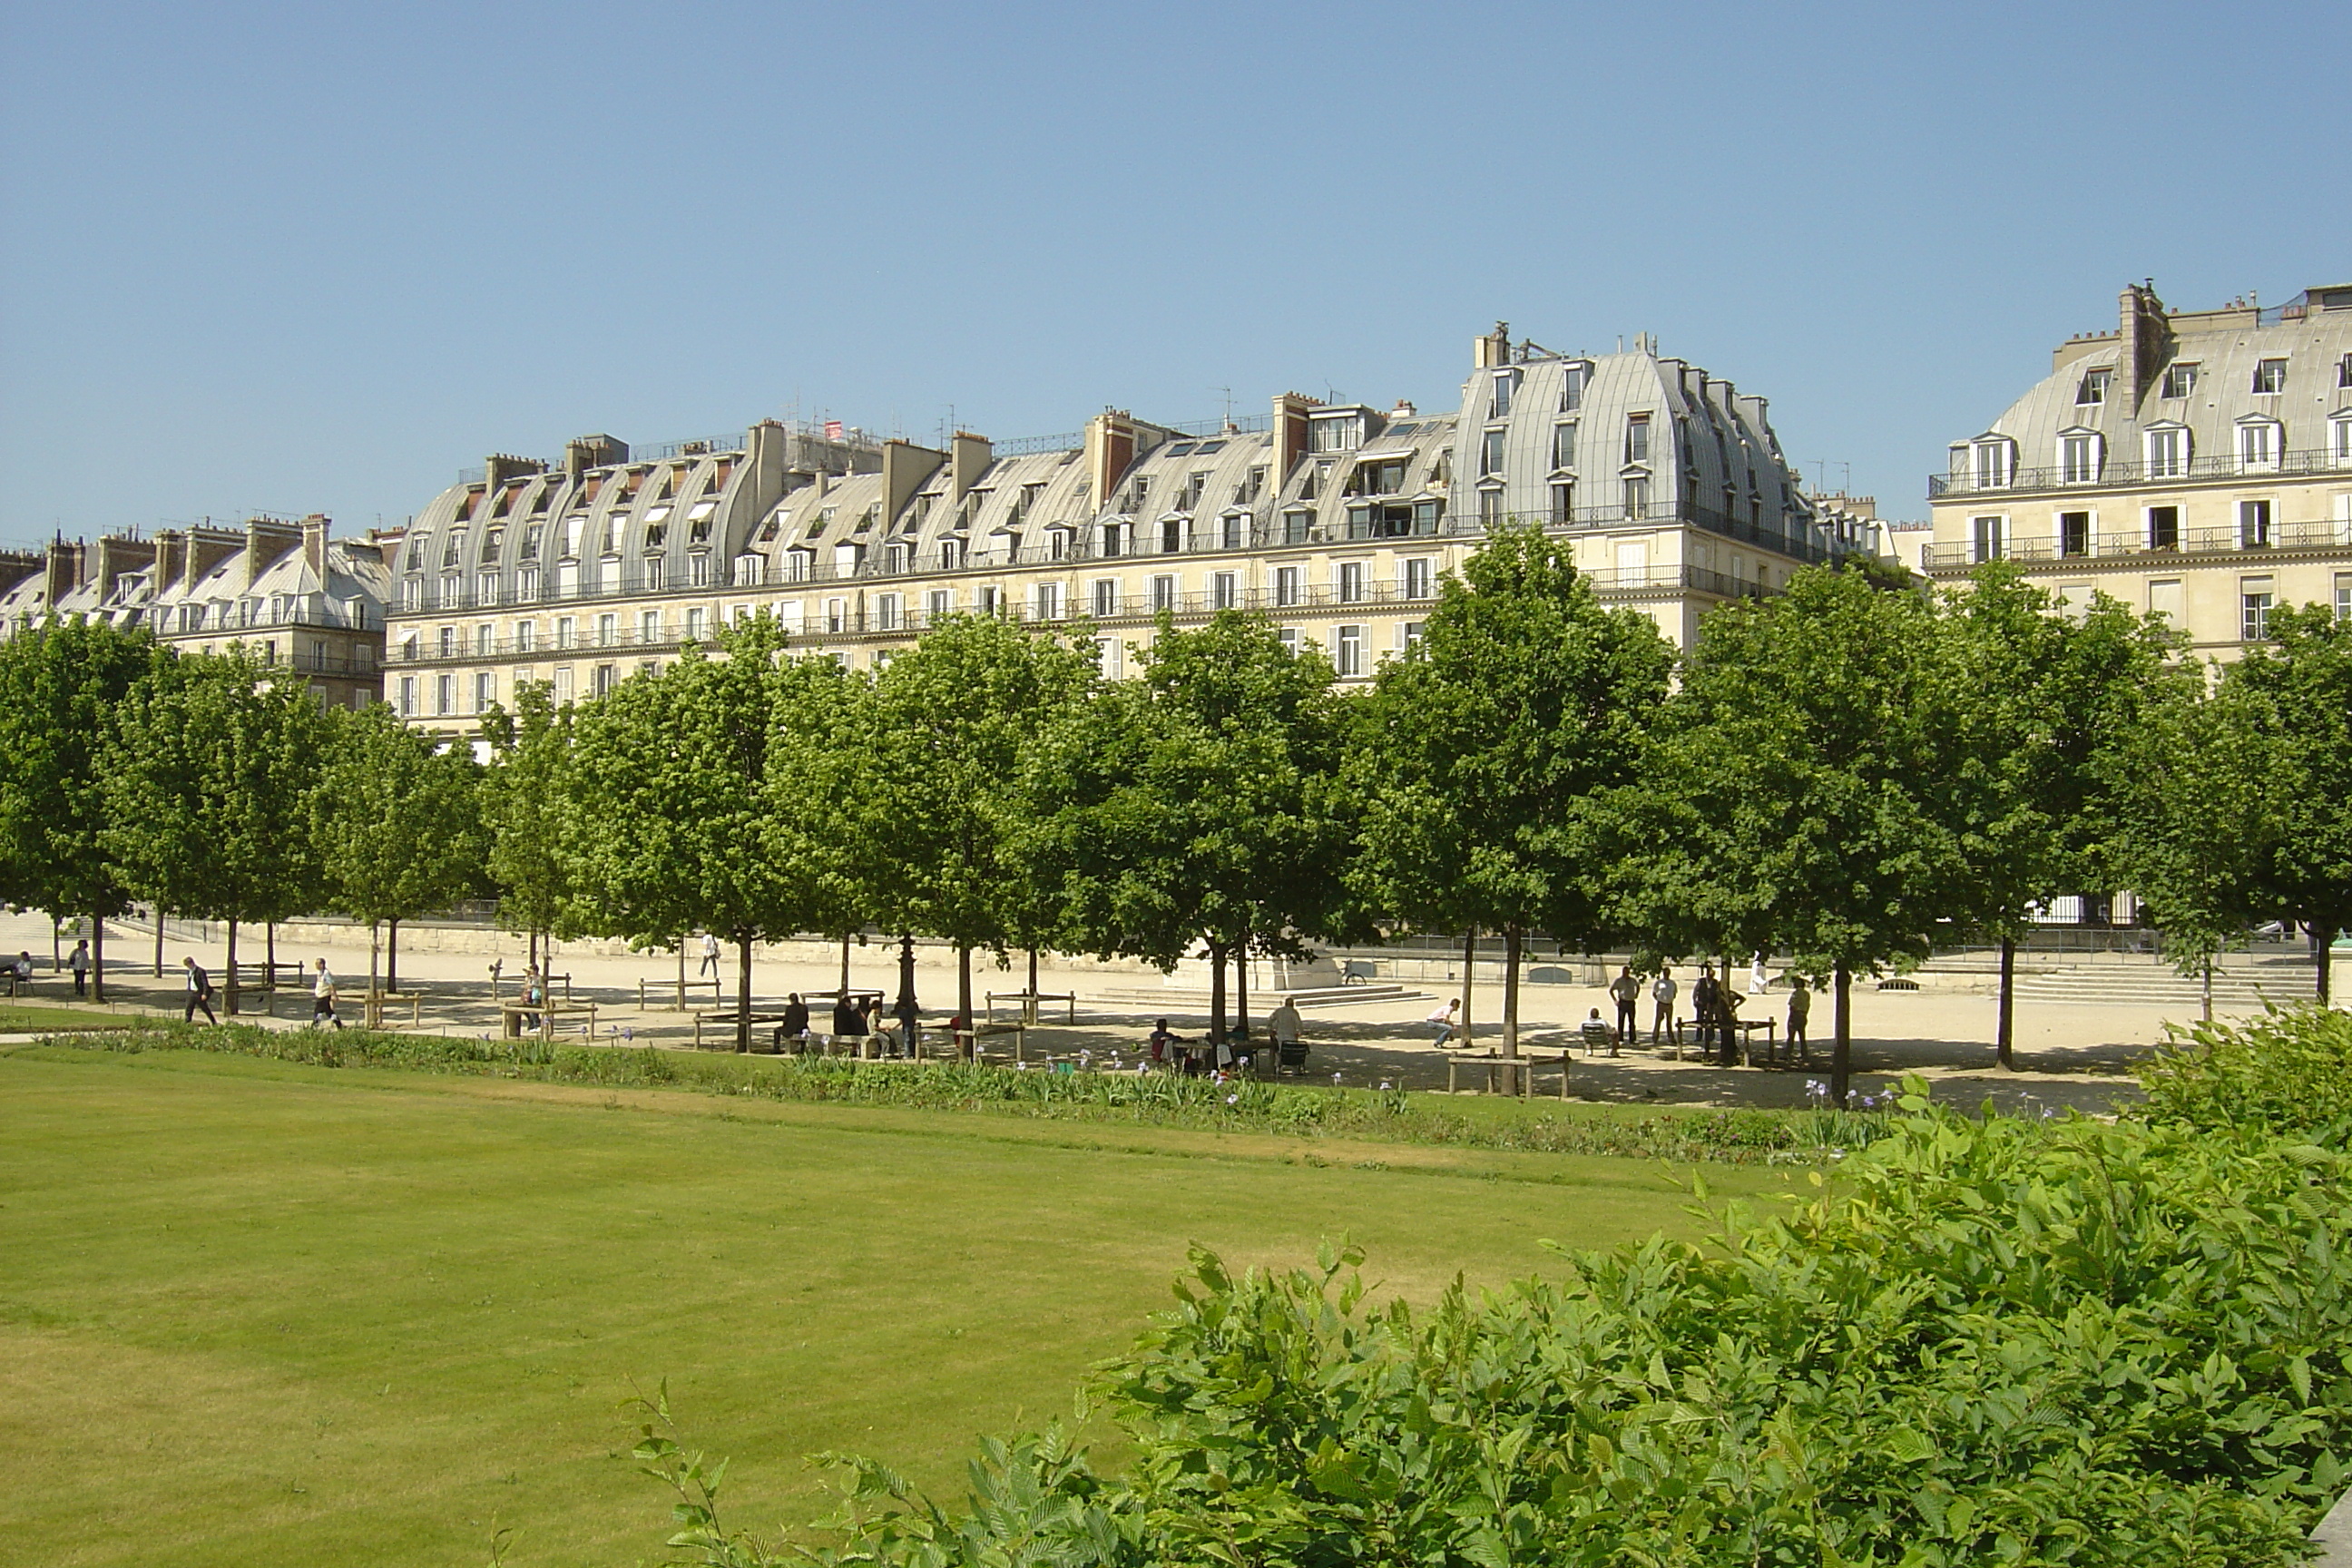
point(1159, 1099)
point(2289, 1070)
point(2067, 1342)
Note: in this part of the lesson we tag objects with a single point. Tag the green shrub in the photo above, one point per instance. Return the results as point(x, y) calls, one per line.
point(2289, 1070)
point(2000, 1341)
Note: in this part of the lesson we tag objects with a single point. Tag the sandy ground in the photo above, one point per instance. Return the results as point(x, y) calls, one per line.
point(2069, 1053)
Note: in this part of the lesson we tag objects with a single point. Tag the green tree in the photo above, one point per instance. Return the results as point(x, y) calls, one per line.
point(2293, 694)
point(60, 686)
point(1488, 750)
point(400, 829)
point(524, 812)
point(1202, 804)
point(2041, 702)
point(668, 798)
point(1788, 803)
point(952, 727)
point(212, 773)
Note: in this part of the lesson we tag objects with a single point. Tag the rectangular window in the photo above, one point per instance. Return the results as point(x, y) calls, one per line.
point(408, 697)
point(1417, 577)
point(938, 606)
point(1994, 461)
point(1164, 594)
point(2253, 608)
point(1490, 507)
point(2270, 377)
point(697, 624)
point(1991, 536)
point(485, 639)
point(2167, 453)
point(1505, 382)
point(563, 684)
point(2344, 372)
point(1049, 601)
point(1350, 581)
point(2180, 381)
point(2078, 460)
point(2344, 596)
point(604, 678)
point(1637, 438)
point(2164, 598)
point(1563, 503)
point(1490, 452)
point(564, 631)
point(1224, 590)
point(649, 626)
point(445, 694)
point(2073, 533)
point(836, 616)
point(1414, 632)
point(2340, 441)
point(2092, 390)
point(1351, 650)
point(1106, 597)
point(485, 589)
point(1563, 446)
point(2258, 444)
point(486, 691)
point(2253, 524)
point(885, 612)
point(448, 642)
point(2164, 528)
point(1637, 499)
point(1108, 658)
point(608, 629)
point(526, 634)
point(1285, 585)
point(1571, 387)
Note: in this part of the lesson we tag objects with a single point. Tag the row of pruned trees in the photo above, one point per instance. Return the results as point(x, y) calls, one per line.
point(1847, 773)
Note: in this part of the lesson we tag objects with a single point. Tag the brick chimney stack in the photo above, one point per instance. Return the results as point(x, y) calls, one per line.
point(2147, 343)
point(315, 529)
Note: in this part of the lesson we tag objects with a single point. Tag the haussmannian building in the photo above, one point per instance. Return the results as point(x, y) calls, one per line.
point(283, 589)
point(2197, 464)
point(1336, 520)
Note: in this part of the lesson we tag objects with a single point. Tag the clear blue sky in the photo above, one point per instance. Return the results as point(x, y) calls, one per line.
point(315, 256)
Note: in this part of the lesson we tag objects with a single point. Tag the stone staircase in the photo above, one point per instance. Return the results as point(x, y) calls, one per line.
point(2239, 982)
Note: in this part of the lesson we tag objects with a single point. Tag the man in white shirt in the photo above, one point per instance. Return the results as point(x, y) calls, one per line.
point(1663, 991)
point(1445, 1021)
point(322, 997)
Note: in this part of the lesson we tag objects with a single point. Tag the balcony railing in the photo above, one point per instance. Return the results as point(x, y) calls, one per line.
point(2119, 472)
point(2312, 535)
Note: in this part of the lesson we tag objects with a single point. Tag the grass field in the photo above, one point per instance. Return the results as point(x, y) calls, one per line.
point(257, 1313)
point(28, 1017)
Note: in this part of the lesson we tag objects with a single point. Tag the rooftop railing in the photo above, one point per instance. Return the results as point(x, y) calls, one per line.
point(2308, 535)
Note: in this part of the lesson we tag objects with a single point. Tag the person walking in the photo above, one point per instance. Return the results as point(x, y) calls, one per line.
point(1626, 992)
point(1445, 1021)
point(1663, 991)
point(1801, 1008)
point(322, 997)
point(79, 962)
point(1759, 981)
point(709, 954)
point(200, 993)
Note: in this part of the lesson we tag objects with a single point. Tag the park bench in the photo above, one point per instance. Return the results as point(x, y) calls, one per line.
point(966, 1042)
point(1358, 972)
point(549, 1014)
point(682, 987)
point(1504, 1075)
point(733, 1019)
point(1029, 1001)
point(374, 1003)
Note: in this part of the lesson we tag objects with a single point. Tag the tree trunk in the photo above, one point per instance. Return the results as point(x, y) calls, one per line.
point(269, 951)
point(1241, 990)
point(1514, 938)
point(1469, 979)
point(2208, 1004)
point(56, 954)
point(742, 992)
point(2003, 1035)
point(1217, 994)
point(158, 912)
point(375, 948)
point(683, 938)
point(843, 994)
point(969, 1046)
point(908, 1009)
point(1032, 985)
point(1841, 1051)
point(392, 954)
point(231, 1012)
point(2323, 944)
point(534, 954)
point(98, 959)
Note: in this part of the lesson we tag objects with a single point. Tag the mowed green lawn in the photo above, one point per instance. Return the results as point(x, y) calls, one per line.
point(256, 1313)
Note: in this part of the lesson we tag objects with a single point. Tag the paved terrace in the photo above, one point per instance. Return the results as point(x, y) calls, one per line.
point(2070, 1053)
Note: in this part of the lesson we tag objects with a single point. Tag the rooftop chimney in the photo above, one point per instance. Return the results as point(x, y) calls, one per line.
point(904, 467)
point(315, 529)
point(1494, 349)
point(119, 556)
point(267, 539)
point(15, 566)
point(1290, 431)
point(1110, 452)
point(66, 564)
point(2147, 343)
point(968, 458)
point(585, 452)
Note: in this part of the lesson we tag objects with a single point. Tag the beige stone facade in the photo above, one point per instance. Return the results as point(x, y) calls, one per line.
point(2198, 464)
point(1337, 521)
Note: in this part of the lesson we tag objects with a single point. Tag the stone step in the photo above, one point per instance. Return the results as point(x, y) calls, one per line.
point(1263, 1002)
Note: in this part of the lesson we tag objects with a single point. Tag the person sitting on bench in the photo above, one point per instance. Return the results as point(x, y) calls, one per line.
point(1597, 1036)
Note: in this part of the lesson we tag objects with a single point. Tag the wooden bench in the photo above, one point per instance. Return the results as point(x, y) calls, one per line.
point(1029, 1000)
point(682, 986)
point(512, 1014)
point(734, 1021)
point(1504, 1075)
point(966, 1041)
point(373, 1003)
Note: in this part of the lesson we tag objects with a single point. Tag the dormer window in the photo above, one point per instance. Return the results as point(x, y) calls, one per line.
point(2180, 381)
point(1506, 382)
point(2259, 443)
point(532, 534)
point(1139, 492)
point(1490, 452)
point(1637, 439)
point(2269, 378)
point(2092, 390)
point(491, 541)
point(1335, 432)
point(2080, 455)
point(2344, 372)
point(2167, 452)
point(465, 506)
point(2339, 439)
point(1377, 476)
point(1571, 387)
point(1994, 463)
point(657, 532)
